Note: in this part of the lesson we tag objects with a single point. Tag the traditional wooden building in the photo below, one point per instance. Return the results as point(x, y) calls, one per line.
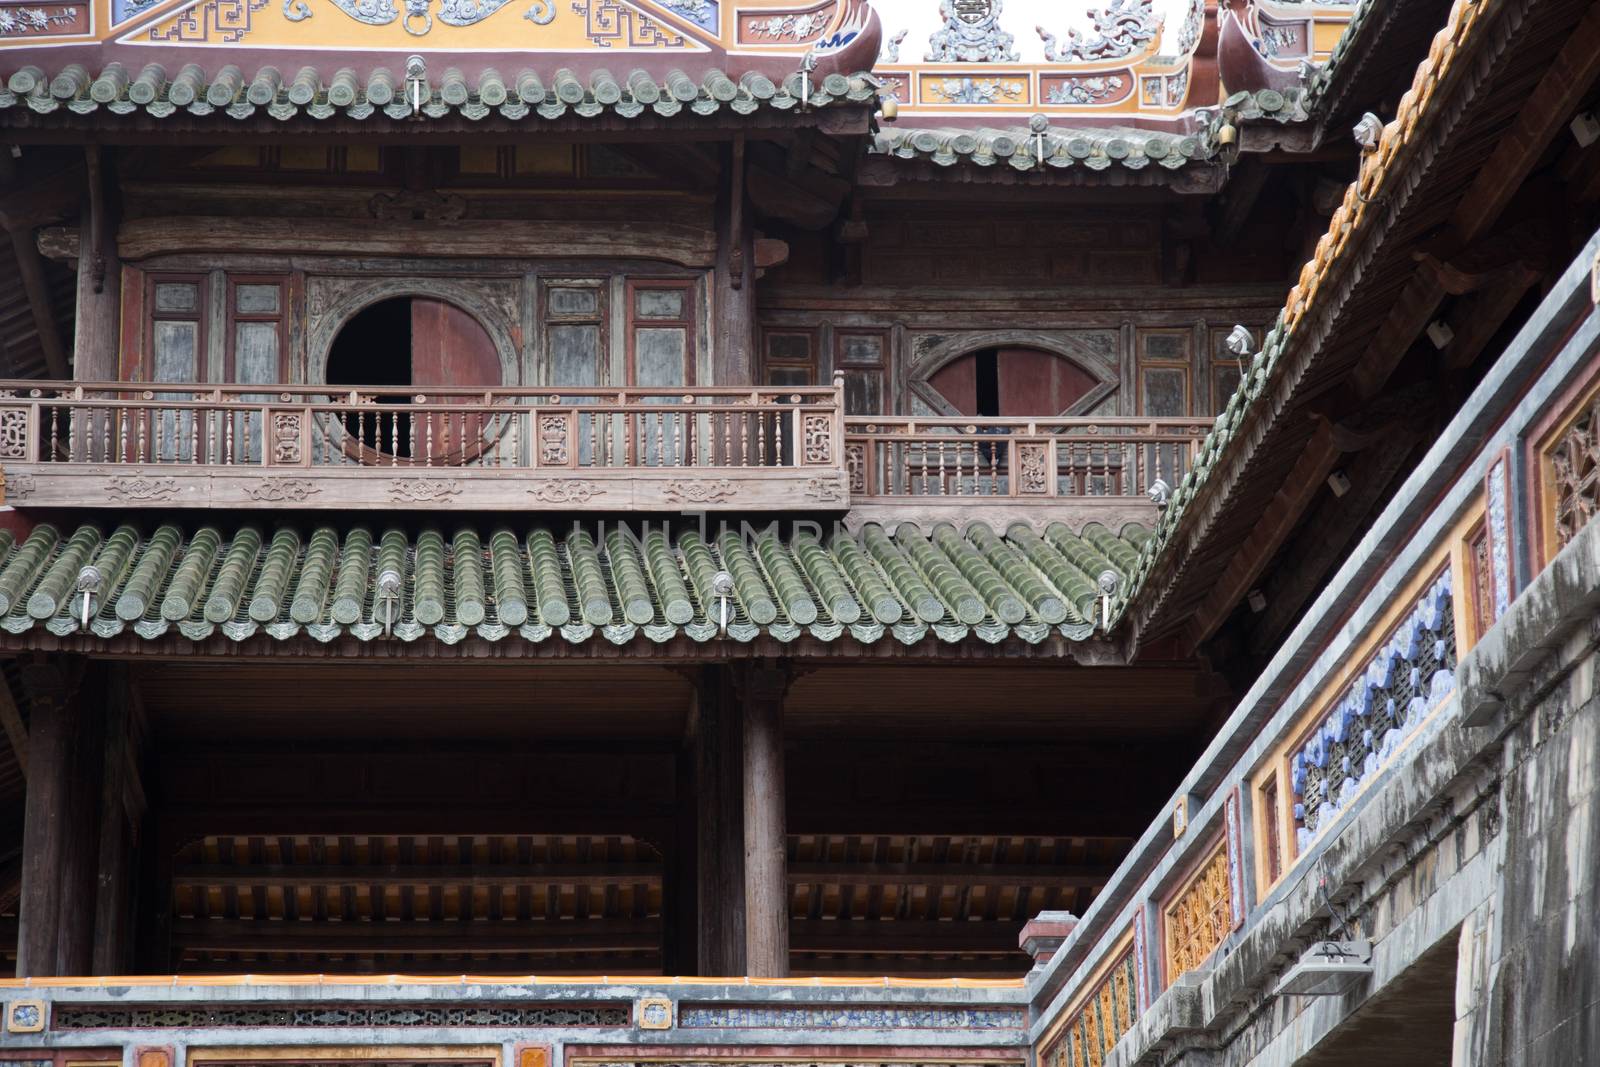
point(713, 492)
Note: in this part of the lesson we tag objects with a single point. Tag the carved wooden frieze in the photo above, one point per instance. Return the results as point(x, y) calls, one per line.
point(140, 487)
point(566, 491)
point(423, 490)
point(288, 490)
point(702, 491)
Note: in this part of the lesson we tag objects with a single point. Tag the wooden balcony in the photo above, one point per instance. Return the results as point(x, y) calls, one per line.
point(67, 444)
point(935, 468)
point(165, 446)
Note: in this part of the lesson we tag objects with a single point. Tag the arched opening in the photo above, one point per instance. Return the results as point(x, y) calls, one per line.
point(1013, 382)
point(404, 348)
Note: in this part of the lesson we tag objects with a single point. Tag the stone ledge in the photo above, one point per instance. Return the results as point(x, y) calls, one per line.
point(1496, 672)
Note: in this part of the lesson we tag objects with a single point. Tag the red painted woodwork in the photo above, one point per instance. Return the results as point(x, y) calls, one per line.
point(1031, 383)
point(957, 382)
point(450, 348)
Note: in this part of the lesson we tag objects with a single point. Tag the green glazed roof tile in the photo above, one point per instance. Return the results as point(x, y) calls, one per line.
point(241, 582)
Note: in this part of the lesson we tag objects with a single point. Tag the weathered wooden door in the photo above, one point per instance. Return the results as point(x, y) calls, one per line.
point(661, 356)
point(449, 348)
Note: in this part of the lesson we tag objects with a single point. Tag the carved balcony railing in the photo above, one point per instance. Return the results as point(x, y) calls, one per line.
point(170, 445)
point(982, 460)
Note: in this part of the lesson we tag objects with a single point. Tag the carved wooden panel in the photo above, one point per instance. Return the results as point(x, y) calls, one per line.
point(1199, 915)
point(1575, 459)
point(1107, 1013)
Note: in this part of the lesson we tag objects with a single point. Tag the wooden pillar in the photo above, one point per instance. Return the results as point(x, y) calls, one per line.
point(56, 910)
point(95, 339)
point(81, 849)
point(719, 811)
point(120, 809)
point(734, 303)
point(766, 882)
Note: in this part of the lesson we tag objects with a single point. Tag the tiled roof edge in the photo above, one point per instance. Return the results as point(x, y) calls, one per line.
point(1353, 218)
point(227, 91)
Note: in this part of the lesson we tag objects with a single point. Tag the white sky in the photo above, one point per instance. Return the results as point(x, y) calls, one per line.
point(1018, 17)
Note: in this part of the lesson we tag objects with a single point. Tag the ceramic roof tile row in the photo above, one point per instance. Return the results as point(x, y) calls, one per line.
point(1363, 202)
point(534, 584)
point(1038, 145)
point(158, 91)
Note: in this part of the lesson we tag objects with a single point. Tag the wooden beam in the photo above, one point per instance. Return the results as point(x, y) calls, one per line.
point(1268, 535)
point(963, 875)
point(16, 730)
point(420, 938)
point(1545, 112)
point(917, 936)
point(766, 893)
point(478, 876)
point(30, 268)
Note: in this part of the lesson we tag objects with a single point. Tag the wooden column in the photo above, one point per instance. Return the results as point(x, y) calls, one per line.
point(719, 867)
point(95, 339)
point(121, 806)
point(52, 918)
point(734, 303)
point(766, 883)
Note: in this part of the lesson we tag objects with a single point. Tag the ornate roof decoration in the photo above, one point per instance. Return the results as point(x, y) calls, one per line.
point(157, 92)
point(535, 586)
point(1121, 28)
point(971, 34)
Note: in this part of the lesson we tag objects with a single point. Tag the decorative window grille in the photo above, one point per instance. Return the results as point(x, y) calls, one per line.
point(1409, 674)
point(1575, 463)
point(1107, 1014)
point(1200, 915)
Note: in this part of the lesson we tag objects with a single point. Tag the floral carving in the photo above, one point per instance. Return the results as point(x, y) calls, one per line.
point(565, 491)
point(21, 21)
point(827, 488)
point(978, 90)
point(816, 448)
point(855, 465)
point(1088, 90)
point(140, 487)
point(430, 206)
point(286, 427)
point(698, 492)
point(1200, 917)
point(276, 489)
point(13, 433)
point(422, 490)
point(1033, 475)
point(17, 486)
point(554, 431)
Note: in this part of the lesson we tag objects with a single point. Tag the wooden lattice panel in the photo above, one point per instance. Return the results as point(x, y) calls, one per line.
point(1107, 1014)
point(1575, 461)
point(1199, 917)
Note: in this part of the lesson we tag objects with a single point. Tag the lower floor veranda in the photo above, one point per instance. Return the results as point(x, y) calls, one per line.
point(417, 810)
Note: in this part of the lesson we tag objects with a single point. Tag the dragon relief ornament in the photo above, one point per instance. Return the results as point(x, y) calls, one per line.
point(971, 34)
point(1120, 28)
point(418, 14)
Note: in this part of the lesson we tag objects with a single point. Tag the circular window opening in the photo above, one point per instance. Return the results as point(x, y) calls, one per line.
point(415, 352)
